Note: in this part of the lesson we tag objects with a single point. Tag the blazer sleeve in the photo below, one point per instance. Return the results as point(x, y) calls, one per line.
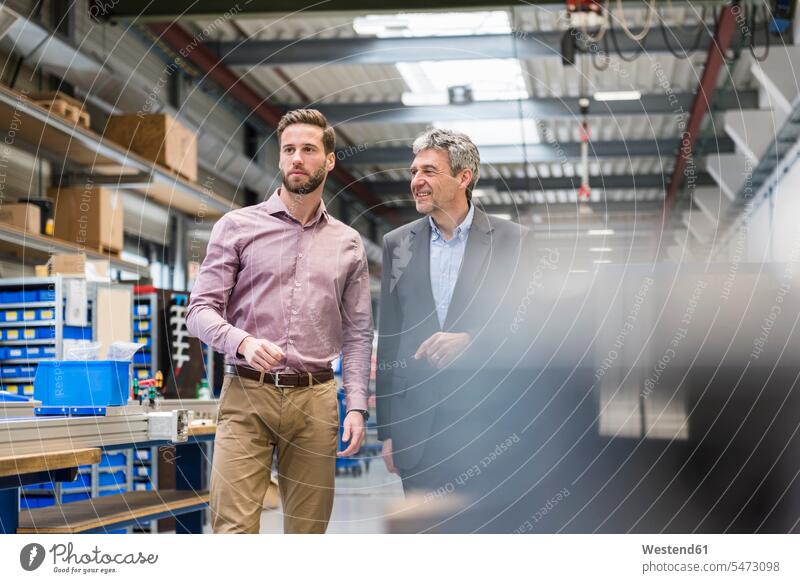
point(389, 320)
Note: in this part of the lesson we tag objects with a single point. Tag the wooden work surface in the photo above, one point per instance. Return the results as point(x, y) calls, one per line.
point(209, 429)
point(46, 461)
point(106, 511)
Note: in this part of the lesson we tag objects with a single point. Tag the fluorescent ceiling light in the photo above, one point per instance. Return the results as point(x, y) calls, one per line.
point(600, 249)
point(601, 261)
point(599, 232)
point(618, 96)
point(433, 24)
point(410, 99)
point(489, 79)
point(495, 132)
point(505, 216)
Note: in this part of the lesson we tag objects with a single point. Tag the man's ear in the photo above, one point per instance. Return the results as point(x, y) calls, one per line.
point(331, 161)
point(465, 178)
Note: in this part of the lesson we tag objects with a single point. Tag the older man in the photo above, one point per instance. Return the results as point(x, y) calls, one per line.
point(448, 278)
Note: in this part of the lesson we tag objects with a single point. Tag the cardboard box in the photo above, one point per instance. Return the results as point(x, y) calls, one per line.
point(72, 264)
point(89, 216)
point(112, 301)
point(23, 215)
point(159, 138)
point(76, 264)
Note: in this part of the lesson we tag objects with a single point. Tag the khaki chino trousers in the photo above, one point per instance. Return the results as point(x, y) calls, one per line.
point(256, 420)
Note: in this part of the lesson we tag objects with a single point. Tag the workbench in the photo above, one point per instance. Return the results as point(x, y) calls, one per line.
point(99, 515)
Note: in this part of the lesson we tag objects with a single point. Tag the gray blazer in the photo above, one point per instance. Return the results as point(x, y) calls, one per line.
point(408, 390)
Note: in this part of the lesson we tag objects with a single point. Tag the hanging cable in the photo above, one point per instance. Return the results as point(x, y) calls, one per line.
point(595, 55)
point(613, 36)
point(683, 28)
point(584, 191)
point(697, 39)
point(651, 10)
point(604, 26)
point(521, 117)
point(752, 35)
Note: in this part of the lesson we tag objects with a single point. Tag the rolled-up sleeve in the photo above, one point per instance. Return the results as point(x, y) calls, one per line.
point(205, 317)
point(357, 332)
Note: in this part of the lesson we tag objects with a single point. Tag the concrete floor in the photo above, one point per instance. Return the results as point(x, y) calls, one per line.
point(359, 505)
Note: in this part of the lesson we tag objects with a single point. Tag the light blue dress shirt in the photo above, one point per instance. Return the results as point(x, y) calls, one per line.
point(446, 258)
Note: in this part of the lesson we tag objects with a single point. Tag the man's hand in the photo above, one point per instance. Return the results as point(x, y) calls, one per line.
point(386, 454)
point(261, 354)
point(443, 348)
point(353, 432)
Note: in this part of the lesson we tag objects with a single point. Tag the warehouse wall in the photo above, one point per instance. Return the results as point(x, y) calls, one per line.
point(771, 232)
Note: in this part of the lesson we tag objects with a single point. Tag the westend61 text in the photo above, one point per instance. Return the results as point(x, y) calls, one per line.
point(673, 550)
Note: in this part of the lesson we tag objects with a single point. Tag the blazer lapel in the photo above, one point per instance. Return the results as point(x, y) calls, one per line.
point(416, 273)
point(479, 244)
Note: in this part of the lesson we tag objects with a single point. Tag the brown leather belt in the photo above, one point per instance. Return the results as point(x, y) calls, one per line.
point(280, 379)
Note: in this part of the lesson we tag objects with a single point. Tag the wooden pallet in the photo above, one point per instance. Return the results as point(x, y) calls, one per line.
point(63, 106)
point(107, 251)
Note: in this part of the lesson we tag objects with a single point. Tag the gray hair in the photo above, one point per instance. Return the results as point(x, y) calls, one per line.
point(462, 152)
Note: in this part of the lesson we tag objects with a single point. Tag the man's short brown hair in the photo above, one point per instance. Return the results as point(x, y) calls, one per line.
point(310, 117)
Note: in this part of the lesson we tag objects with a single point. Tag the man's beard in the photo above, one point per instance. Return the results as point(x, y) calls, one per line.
point(310, 185)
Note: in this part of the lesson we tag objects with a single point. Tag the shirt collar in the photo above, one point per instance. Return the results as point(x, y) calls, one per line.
point(275, 205)
point(461, 231)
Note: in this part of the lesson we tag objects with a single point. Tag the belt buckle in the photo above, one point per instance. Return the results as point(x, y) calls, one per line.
point(278, 381)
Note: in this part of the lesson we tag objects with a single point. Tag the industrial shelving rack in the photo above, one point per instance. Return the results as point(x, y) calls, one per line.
point(145, 331)
point(144, 474)
point(33, 329)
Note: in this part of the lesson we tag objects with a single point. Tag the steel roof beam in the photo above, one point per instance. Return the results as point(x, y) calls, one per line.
point(144, 10)
point(534, 108)
point(372, 50)
point(401, 156)
point(606, 182)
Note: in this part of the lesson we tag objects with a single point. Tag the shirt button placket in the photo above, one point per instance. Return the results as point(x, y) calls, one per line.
point(297, 285)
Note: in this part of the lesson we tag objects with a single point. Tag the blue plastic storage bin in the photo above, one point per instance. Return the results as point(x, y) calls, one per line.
point(9, 315)
point(45, 332)
point(9, 372)
point(45, 314)
point(10, 297)
point(76, 497)
point(112, 479)
point(82, 481)
point(29, 295)
point(95, 383)
point(112, 459)
point(77, 332)
point(46, 295)
point(14, 352)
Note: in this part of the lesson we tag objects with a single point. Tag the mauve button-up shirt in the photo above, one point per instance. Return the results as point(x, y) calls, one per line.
point(303, 287)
